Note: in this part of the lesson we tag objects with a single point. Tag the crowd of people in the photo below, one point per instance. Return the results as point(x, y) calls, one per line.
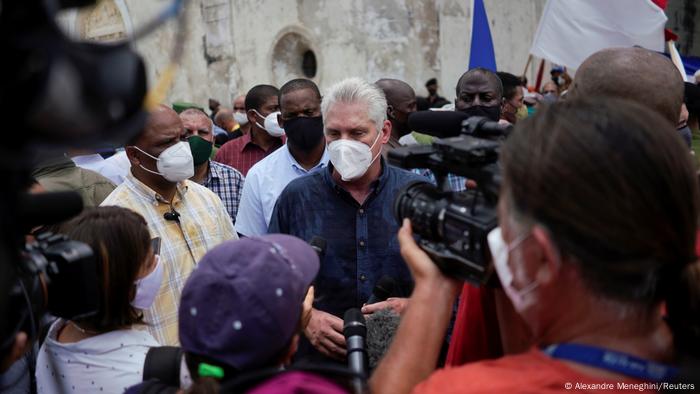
point(202, 225)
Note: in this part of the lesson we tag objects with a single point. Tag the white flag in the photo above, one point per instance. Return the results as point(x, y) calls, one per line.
point(572, 30)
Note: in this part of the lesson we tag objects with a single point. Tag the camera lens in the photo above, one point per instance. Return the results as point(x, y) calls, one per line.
point(424, 205)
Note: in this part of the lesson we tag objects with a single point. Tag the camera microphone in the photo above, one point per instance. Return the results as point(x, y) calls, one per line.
point(318, 244)
point(444, 124)
point(441, 124)
point(355, 332)
point(383, 289)
point(173, 215)
point(48, 208)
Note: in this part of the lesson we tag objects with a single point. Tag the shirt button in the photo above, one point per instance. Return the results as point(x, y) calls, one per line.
point(361, 211)
point(362, 243)
point(363, 277)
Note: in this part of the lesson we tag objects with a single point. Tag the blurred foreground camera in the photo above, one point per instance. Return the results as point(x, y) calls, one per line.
point(453, 226)
point(70, 274)
point(57, 275)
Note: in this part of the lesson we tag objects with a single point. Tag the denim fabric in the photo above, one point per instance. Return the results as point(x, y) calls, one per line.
point(361, 240)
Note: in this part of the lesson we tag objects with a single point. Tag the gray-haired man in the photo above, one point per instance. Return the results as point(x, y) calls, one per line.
point(350, 205)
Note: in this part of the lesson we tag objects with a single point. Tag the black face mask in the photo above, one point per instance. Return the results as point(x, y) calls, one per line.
point(303, 132)
point(491, 113)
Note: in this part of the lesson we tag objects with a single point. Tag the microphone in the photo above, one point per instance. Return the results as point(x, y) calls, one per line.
point(444, 124)
point(355, 331)
point(47, 208)
point(319, 245)
point(173, 215)
point(381, 328)
point(383, 289)
point(441, 124)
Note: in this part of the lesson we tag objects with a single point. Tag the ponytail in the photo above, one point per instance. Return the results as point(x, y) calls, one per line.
point(683, 308)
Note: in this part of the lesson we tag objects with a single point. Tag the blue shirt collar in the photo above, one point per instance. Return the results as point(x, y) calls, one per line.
point(295, 164)
point(377, 185)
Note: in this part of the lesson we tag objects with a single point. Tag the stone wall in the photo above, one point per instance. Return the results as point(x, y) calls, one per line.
point(232, 45)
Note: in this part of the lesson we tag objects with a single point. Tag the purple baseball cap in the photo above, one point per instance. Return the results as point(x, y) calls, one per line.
point(242, 303)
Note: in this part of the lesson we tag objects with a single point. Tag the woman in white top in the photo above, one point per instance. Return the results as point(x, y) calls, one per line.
point(104, 353)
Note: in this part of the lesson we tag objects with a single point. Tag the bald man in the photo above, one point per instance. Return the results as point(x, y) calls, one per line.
point(225, 120)
point(633, 74)
point(480, 93)
point(401, 102)
point(240, 115)
point(188, 218)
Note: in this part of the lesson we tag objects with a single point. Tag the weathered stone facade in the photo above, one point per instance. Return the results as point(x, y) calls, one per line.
point(232, 45)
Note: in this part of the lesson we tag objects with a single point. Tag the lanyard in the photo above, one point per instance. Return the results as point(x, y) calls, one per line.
point(611, 360)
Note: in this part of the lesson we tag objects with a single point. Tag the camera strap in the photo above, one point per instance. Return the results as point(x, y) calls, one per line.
point(618, 362)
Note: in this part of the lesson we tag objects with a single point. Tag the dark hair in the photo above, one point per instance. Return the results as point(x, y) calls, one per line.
point(121, 242)
point(299, 84)
point(256, 96)
point(490, 75)
point(431, 81)
point(617, 191)
point(510, 83)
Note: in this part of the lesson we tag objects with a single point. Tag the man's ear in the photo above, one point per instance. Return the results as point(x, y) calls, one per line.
point(550, 257)
point(132, 155)
point(390, 112)
point(386, 132)
point(251, 117)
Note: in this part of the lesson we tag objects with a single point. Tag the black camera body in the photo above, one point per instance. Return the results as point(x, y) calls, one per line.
point(453, 226)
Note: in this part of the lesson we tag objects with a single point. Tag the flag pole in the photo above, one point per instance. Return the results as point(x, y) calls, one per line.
point(527, 65)
point(676, 59)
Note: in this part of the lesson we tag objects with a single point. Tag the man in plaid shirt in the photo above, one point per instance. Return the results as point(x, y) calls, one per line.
point(225, 181)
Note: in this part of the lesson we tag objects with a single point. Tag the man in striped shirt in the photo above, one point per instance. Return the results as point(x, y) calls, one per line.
point(189, 218)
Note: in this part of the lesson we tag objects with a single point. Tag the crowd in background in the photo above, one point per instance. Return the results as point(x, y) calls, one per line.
point(201, 225)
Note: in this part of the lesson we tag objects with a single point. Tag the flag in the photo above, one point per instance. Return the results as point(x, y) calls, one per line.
point(571, 30)
point(481, 52)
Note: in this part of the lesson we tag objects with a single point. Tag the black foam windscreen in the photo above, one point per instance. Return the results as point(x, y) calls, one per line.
point(48, 208)
point(441, 124)
point(319, 245)
point(381, 328)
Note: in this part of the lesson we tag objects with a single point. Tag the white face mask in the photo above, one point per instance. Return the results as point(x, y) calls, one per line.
point(174, 164)
point(499, 252)
point(271, 125)
point(148, 286)
point(351, 158)
point(241, 118)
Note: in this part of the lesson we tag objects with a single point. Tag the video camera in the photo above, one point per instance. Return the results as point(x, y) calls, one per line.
point(453, 226)
point(58, 93)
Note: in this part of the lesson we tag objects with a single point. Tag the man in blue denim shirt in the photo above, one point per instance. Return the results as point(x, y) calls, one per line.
point(349, 204)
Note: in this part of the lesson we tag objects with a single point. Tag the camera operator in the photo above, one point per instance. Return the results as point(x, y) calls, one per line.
point(487, 326)
point(596, 251)
point(349, 203)
point(103, 352)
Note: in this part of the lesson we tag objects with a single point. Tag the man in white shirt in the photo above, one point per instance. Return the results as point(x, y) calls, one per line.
point(94, 162)
point(305, 151)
